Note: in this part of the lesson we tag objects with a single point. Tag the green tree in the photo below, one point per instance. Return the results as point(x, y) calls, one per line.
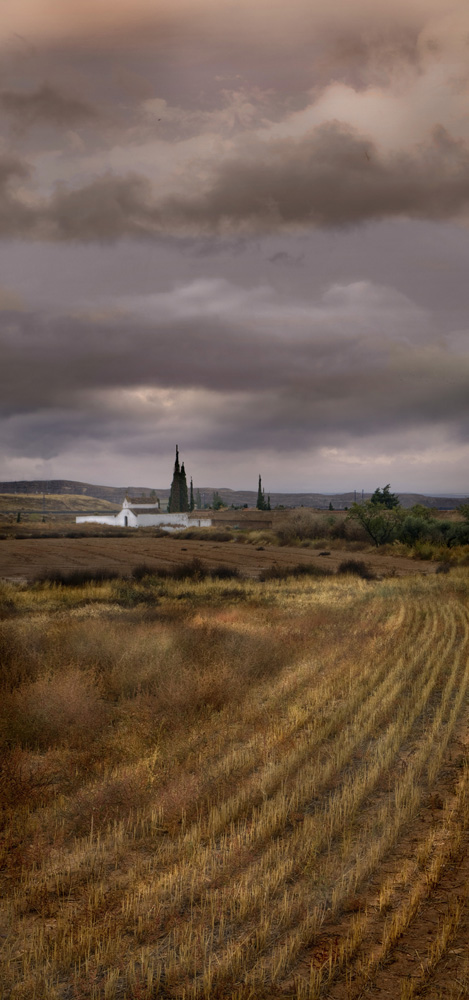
point(217, 501)
point(464, 510)
point(198, 500)
point(260, 503)
point(385, 498)
point(174, 493)
point(330, 505)
point(419, 510)
point(178, 497)
point(191, 497)
point(183, 490)
point(381, 523)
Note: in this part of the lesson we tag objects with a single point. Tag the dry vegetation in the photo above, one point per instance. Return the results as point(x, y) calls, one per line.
point(217, 788)
point(26, 558)
point(37, 506)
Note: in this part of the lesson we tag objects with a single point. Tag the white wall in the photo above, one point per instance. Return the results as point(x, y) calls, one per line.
point(116, 520)
point(169, 522)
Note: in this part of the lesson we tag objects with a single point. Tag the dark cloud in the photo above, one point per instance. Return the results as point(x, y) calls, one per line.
point(16, 217)
point(277, 390)
point(107, 209)
point(204, 253)
point(46, 104)
point(333, 177)
point(286, 259)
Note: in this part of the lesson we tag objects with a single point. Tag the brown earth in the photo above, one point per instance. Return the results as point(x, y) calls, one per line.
point(407, 971)
point(24, 559)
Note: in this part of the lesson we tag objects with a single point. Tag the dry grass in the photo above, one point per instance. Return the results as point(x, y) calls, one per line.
point(203, 779)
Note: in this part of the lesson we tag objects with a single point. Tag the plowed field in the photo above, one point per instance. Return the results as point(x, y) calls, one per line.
point(28, 557)
point(237, 790)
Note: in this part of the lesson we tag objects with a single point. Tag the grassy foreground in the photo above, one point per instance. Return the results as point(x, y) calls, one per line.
point(219, 788)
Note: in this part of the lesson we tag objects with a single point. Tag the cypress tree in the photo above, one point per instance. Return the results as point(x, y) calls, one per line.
point(191, 500)
point(178, 497)
point(260, 497)
point(183, 495)
point(174, 495)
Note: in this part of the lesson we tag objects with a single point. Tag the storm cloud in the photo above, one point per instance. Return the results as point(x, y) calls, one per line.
point(44, 104)
point(274, 373)
point(242, 227)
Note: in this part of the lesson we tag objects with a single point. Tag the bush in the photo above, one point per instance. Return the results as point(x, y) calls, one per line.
point(224, 573)
point(424, 550)
point(56, 708)
point(415, 528)
point(357, 567)
point(300, 526)
point(192, 570)
point(77, 578)
point(140, 571)
point(381, 523)
point(301, 569)
point(204, 534)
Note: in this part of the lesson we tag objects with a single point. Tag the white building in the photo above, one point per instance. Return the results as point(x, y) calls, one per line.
point(135, 514)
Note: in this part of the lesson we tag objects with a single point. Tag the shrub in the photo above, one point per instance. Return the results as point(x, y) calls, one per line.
point(204, 534)
point(224, 573)
point(357, 567)
point(262, 536)
point(381, 523)
point(301, 569)
point(415, 528)
point(300, 526)
point(55, 708)
point(140, 571)
point(424, 550)
point(77, 578)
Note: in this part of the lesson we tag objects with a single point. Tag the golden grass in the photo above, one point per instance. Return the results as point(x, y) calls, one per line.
point(199, 777)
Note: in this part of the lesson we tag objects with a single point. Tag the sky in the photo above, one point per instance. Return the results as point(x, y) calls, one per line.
point(241, 226)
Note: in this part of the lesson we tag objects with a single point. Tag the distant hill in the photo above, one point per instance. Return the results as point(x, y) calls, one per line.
point(116, 494)
point(57, 503)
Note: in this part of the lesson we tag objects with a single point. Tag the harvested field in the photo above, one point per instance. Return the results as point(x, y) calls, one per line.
point(24, 559)
point(235, 789)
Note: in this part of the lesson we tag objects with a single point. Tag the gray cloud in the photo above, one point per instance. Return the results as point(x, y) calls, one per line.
point(196, 267)
point(319, 374)
point(46, 104)
point(332, 177)
point(16, 217)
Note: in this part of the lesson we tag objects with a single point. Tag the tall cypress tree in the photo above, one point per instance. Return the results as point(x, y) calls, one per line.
point(178, 497)
point(260, 497)
point(173, 502)
point(191, 497)
point(175, 496)
point(183, 496)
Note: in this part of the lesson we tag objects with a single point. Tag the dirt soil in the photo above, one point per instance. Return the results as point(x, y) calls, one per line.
point(404, 973)
point(24, 559)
